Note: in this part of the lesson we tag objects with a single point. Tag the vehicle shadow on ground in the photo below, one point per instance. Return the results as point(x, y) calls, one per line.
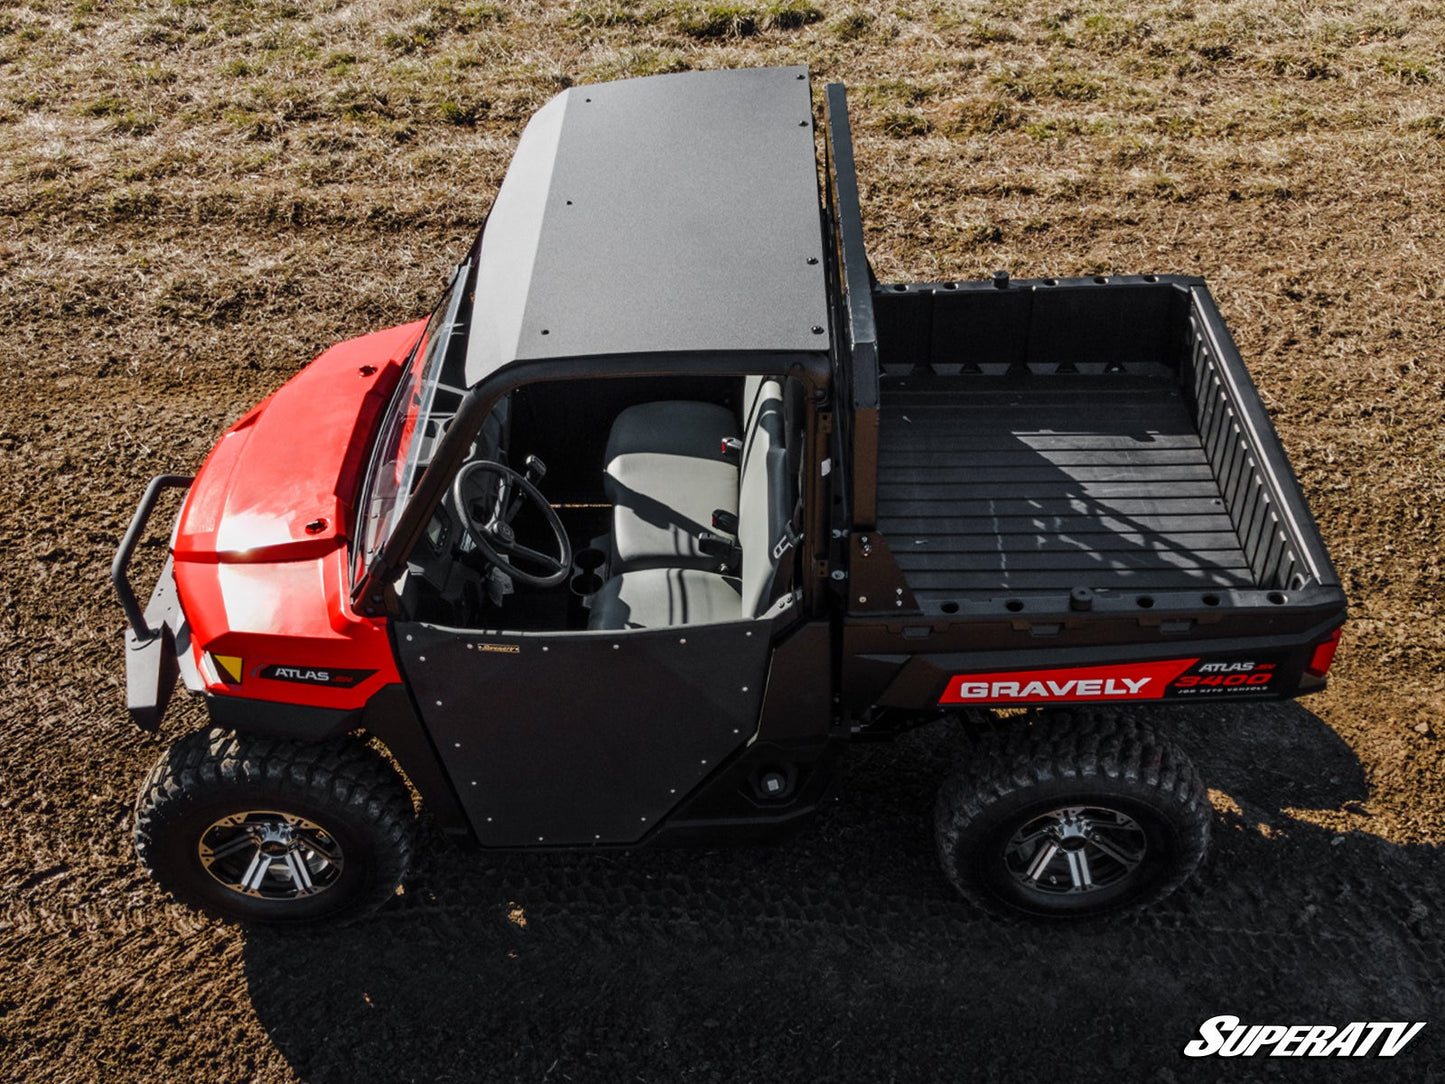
point(841, 955)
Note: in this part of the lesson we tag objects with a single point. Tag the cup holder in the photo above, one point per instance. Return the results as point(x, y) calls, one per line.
point(587, 564)
point(586, 583)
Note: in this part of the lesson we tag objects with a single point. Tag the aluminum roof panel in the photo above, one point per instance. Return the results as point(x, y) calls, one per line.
point(670, 214)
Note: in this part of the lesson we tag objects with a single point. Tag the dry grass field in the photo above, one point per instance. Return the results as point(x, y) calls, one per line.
point(197, 196)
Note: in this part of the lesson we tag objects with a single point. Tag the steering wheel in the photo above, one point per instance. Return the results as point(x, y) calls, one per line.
point(494, 535)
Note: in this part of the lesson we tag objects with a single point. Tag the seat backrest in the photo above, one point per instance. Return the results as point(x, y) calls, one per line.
point(765, 497)
point(752, 390)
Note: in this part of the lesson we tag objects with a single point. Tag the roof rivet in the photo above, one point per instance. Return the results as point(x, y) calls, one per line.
point(812, 260)
point(545, 332)
point(817, 329)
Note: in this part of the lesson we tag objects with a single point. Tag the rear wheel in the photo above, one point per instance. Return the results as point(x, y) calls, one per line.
point(1069, 817)
point(261, 830)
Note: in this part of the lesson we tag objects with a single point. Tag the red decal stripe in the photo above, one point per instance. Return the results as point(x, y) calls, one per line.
point(1079, 684)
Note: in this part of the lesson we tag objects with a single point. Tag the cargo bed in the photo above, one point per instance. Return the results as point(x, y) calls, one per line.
point(1039, 437)
point(1002, 487)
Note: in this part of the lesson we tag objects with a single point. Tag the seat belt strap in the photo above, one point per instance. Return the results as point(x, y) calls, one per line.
point(783, 573)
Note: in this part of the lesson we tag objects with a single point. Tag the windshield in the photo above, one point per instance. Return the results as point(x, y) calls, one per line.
point(411, 426)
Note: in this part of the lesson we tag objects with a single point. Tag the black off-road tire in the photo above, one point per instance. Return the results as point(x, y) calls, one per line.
point(343, 792)
point(1093, 773)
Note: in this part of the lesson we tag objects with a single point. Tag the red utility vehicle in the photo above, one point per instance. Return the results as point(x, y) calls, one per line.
point(786, 508)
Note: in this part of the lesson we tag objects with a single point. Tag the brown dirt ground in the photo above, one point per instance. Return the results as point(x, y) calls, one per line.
point(199, 195)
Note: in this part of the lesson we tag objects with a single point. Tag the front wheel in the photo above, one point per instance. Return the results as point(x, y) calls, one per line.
point(1066, 817)
point(261, 830)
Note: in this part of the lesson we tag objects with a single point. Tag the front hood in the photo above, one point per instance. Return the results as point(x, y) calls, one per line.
point(280, 485)
point(260, 546)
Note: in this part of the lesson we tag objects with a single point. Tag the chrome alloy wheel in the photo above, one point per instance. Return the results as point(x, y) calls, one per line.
point(1076, 849)
point(270, 855)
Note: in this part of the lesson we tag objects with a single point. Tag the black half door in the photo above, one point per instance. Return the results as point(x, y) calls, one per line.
point(583, 737)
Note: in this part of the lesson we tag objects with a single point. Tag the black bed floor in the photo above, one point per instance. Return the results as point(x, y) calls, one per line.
point(1006, 485)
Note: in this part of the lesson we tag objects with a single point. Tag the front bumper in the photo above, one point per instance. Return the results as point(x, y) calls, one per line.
point(157, 643)
point(154, 661)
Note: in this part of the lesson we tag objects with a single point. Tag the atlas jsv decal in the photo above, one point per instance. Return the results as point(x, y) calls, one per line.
point(1168, 679)
point(329, 676)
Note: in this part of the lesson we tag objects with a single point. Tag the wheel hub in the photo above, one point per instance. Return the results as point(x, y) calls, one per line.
point(269, 855)
point(1075, 849)
point(273, 837)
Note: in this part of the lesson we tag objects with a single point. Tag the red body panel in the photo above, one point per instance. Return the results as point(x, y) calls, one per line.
point(261, 544)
